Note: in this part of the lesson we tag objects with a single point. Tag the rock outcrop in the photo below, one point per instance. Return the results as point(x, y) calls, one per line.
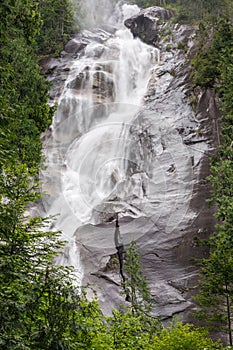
point(145, 24)
point(167, 254)
point(100, 82)
point(170, 142)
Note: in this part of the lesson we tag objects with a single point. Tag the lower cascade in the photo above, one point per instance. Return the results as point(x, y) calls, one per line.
point(125, 143)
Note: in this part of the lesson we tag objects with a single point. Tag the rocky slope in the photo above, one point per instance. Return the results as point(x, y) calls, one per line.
point(171, 139)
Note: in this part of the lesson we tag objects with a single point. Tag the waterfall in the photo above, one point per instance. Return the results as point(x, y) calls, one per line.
point(125, 142)
point(121, 143)
point(90, 170)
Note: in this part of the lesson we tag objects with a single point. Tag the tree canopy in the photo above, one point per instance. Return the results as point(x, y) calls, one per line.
point(214, 69)
point(193, 11)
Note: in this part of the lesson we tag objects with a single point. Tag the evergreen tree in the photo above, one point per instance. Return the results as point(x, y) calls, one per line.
point(40, 307)
point(135, 283)
point(216, 295)
point(57, 25)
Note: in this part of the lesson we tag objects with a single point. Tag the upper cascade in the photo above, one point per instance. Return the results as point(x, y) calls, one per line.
point(105, 12)
point(90, 173)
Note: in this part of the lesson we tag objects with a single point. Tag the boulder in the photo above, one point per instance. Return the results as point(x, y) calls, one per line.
point(48, 64)
point(78, 82)
point(99, 80)
point(74, 46)
point(144, 24)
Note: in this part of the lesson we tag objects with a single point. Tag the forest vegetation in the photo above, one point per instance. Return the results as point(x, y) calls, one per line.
point(39, 306)
point(189, 11)
point(214, 69)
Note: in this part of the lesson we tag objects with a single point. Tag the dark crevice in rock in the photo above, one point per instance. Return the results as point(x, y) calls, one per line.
point(105, 277)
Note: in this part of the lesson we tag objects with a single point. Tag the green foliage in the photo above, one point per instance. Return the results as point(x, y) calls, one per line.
point(58, 25)
point(25, 112)
point(189, 11)
point(168, 47)
point(208, 62)
point(19, 18)
point(40, 307)
point(180, 337)
point(214, 68)
point(22, 87)
point(135, 284)
point(129, 331)
point(26, 255)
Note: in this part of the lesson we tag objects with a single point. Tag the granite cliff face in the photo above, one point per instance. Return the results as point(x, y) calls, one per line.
point(131, 137)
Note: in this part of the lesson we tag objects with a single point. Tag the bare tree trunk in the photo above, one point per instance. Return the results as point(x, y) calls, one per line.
point(228, 314)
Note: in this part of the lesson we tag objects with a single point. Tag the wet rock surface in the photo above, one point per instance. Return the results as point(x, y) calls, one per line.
point(74, 46)
point(57, 70)
point(100, 82)
point(167, 240)
point(171, 140)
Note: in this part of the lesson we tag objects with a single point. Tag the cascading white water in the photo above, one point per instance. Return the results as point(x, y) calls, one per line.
point(89, 176)
point(126, 140)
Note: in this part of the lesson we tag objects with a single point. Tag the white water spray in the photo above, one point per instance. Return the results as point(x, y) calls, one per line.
point(105, 12)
